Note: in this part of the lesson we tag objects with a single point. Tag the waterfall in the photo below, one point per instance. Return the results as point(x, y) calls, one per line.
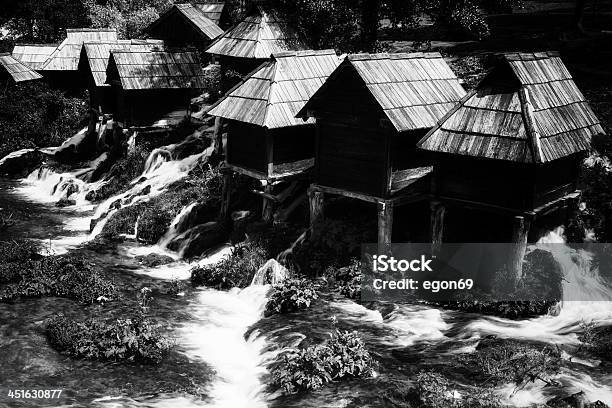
point(272, 272)
point(156, 158)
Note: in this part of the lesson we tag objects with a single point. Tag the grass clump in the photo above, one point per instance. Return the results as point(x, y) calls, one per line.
point(344, 355)
point(348, 279)
point(290, 296)
point(26, 274)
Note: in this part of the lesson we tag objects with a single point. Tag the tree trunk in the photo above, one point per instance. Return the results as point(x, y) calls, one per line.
point(370, 10)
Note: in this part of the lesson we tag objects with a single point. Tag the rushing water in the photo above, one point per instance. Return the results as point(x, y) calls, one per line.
point(224, 344)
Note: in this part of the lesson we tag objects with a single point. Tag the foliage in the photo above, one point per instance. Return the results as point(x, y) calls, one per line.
point(344, 355)
point(137, 339)
point(348, 279)
point(235, 270)
point(291, 295)
point(129, 17)
point(433, 390)
point(33, 115)
point(500, 361)
point(597, 340)
point(41, 20)
point(334, 243)
point(63, 276)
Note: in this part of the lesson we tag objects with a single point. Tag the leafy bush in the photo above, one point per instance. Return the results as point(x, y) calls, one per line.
point(136, 339)
point(501, 361)
point(63, 276)
point(236, 270)
point(344, 355)
point(433, 390)
point(597, 340)
point(291, 295)
point(33, 115)
point(348, 279)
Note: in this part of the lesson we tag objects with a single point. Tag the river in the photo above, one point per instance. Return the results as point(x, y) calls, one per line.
point(224, 346)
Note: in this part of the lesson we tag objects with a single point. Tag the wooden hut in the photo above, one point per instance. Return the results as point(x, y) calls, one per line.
point(248, 44)
point(94, 61)
point(13, 71)
point(513, 146)
point(149, 85)
point(265, 141)
point(61, 69)
point(216, 11)
point(184, 24)
point(369, 116)
point(33, 56)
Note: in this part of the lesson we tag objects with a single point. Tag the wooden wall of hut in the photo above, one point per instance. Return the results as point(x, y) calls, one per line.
point(509, 185)
point(71, 82)
point(247, 145)
point(139, 107)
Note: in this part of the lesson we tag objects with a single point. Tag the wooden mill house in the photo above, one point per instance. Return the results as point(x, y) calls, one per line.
point(13, 72)
point(370, 114)
point(33, 56)
point(249, 43)
point(153, 85)
point(264, 140)
point(513, 146)
point(184, 25)
point(94, 62)
point(61, 69)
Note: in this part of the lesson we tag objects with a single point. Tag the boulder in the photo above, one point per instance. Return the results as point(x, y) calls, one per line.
point(100, 166)
point(577, 400)
point(79, 146)
point(21, 162)
point(65, 202)
point(199, 239)
point(152, 260)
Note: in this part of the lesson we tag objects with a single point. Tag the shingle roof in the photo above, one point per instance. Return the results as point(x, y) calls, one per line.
point(33, 55)
point(212, 10)
point(207, 28)
point(528, 109)
point(414, 90)
point(18, 72)
point(260, 34)
point(98, 54)
point(66, 56)
point(155, 70)
point(273, 94)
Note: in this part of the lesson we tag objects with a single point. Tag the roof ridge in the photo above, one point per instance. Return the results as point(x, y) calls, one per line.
point(90, 30)
point(392, 56)
point(272, 83)
point(530, 125)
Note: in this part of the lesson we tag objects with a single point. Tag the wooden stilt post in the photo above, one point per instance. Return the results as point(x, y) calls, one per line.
point(385, 222)
point(520, 230)
point(267, 212)
point(438, 210)
point(218, 135)
point(226, 195)
point(315, 203)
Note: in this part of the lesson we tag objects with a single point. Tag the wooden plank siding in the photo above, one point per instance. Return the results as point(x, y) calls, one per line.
point(246, 146)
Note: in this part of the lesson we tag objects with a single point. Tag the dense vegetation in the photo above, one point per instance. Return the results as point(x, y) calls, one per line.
point(33, 115)
point(344, 355)
point(26, 274)
point(291, 295)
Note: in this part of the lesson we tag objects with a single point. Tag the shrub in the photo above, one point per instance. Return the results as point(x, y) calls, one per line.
point(63, 276)
point(348, 279)
point(236, 270)
point(137, 339)
point(291, 295)
point(344, 355)
point(597, 340)
point(433, 390)
point(502, 361)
